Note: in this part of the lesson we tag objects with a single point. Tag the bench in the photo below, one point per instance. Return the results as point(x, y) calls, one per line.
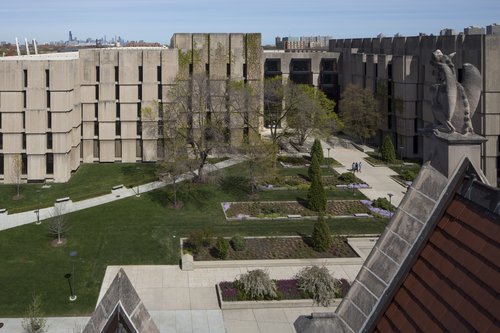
point(117, 187)
point(294, 216)
point(341, 186)
point(3, 210)
point(62, 199)
point(362, 215)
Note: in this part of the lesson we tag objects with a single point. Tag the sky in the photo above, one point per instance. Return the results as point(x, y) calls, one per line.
point(157, 20)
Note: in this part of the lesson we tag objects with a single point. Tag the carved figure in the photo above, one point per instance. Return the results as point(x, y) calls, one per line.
point(453, 102)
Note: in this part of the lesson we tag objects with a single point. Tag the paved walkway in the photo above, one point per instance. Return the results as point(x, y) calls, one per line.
point(379, 178)
point(186, 301)
point(8, 221)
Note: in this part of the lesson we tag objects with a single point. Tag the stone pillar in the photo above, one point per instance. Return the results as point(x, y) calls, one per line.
point(445, 151)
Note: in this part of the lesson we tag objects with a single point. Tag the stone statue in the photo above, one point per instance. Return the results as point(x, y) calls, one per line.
point(453, 102)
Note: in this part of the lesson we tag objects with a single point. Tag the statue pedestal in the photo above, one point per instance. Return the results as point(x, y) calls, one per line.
point(446, 150)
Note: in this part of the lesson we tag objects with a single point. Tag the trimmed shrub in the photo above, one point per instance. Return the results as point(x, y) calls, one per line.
point(321, 235)
point(383, 203)
point(195, 240)
point(316, 197)
point(408, 175)
point(314, 168)
point(318, 283)
point(238, 243)
point(257, 285)
point(387, 152)
point(348, 177)
point(317, 150)
point(221, 247)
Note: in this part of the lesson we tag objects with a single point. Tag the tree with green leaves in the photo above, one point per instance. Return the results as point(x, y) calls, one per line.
point(316, 197)
point(314, 168)
point(321, 235)
point(312, 114)
point(317, 150)
point(387, 152)
point(359, 111)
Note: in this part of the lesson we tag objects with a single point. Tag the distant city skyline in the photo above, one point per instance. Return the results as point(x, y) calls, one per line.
point(157, 20)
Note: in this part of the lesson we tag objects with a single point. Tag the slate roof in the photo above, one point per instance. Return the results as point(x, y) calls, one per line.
point(121, 299)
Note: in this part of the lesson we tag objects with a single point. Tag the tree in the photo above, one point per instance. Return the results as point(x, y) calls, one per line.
point(321, 236)
point(313, 113)
point(58, 226)
point(317, 150)
point(17, 172)
point(33, 321)
point(258, 285)
point(359, 112)
point(298, 108)
point(314, 168)
point(261, 159)
point(221, 247)
point(197, 114)
point(316, 198)
point(319, 283)
point(387, 150)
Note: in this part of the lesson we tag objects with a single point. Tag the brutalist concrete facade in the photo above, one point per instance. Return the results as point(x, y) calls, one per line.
point(60, 110)
point(398, 71)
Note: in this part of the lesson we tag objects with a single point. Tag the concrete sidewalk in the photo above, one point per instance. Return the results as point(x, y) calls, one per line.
point(8, 221)
point(379, 178)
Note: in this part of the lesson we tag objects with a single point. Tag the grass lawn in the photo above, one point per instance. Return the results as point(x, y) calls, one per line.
point(139, 231)
point(89, 180)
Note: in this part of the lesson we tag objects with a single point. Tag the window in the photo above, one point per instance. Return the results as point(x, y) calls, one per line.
point(415, 144)
point(389, 71)
point(364, 68)
point(96, 148)
point(1, 141)
point(118, 128)
point(24, 100)
point(25, 78)
point(139, 93)
point(96, 110)
point(97, 74)
point(24, 161)
point(2, 170)
point(160, 91)
point(140, 74)
point(97, 93)
point(0, 119)
point(117, 92)
point(228, 70)
point(49, 140)
point(190, 68)
point(139, 110)
point(415, 125)
point(244, 70)
point(389, 121)
point(460, 75)
point(138, 149)
point(117, 75)
point(48, 99)
point(24, 119)
point(96, 128)
point(118, 148)
point(47, 78)
point(49, 119)
point(139, 128)
point(207, 68)
point(118, 110)
point(328, 65)
point(49, 164)
point(24, 141)
point(158, 73)
point(246, 133)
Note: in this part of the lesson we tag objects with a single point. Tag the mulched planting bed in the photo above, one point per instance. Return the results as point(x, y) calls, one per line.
point(284, 208)
point(287, 289)
point(279, 248)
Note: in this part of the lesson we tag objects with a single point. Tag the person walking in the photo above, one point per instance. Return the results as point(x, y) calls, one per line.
point(353, 167)
point(359, 166)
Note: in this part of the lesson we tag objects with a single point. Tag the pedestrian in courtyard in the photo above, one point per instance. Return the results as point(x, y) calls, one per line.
point(359, 166)
point(353, 167)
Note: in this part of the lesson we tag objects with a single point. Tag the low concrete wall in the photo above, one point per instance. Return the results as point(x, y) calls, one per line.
point(292, 303)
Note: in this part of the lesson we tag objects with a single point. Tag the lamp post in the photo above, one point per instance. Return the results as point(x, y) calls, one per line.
point(71, 278)
point(390, 197)
point(37, 211)
point(328, 149)
point(138, 186)
point(401, 153)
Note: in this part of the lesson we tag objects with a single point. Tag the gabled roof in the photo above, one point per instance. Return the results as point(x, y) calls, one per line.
point(121, 305)
point(420, 220)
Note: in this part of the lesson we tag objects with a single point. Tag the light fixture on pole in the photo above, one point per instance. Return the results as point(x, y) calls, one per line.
point(390, 197)
point(328, 149)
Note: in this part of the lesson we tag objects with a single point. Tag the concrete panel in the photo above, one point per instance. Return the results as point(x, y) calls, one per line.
point(129, 62)
point(60, 122)
point(60, 143)
point(106, 151)
point(12, 143)
point(88, 112)
point(237, 45)
point(62, 171)
point(219, 56)
point(129, 130)
point(149, 150)
point(62, 75)
point(36, 98)
point(88, 151)
point(151, 59)
point(128, 151)
point(128, 112)
point(36, 143)
point(87, 94)
point(129, 94)
point(11, 75)
point(61, 101)
point(106, 131)
point(169, 65)
point(11, 101)
point(36, 121)
point(107, 91)
point(88, 130)
point(201, 44)
point(12, 123)
point(36, 167)
point(107, 111)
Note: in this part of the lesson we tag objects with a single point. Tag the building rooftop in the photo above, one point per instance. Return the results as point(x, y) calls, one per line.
point(45, 56)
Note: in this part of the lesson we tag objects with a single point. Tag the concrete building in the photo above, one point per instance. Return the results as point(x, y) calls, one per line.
point(60, 110)
point(493, 29)
point(398, 70)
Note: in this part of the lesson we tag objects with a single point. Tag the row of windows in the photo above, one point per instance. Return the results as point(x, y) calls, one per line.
point(49, 164)
point(117, 74)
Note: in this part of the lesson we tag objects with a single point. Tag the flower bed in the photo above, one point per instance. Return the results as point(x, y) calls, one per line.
point(287, 290)
point(379, 211)
point(274, 209)
point(266, 248)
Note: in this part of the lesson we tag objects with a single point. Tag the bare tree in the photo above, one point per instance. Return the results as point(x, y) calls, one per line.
point(58, 226)
point(17, 172)
point(197, 113)
point(34, 322)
